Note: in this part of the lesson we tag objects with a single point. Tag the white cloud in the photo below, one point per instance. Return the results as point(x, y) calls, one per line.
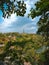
point(29, 5)
point(8, 21)
point(29, 28)
point(17, 24)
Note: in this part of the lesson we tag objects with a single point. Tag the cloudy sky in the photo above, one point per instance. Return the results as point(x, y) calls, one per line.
point(19, 24)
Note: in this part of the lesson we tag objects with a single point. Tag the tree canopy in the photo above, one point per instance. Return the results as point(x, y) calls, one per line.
point(12, 6)
point(41, 9)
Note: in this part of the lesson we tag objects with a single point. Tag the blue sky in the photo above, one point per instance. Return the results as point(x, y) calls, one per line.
point(17, 23)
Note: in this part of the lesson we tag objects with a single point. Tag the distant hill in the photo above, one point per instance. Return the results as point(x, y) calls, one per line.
point(15, 46)
point(22, 38)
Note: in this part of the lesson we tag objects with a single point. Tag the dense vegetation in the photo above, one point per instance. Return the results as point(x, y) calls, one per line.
point(18, 48)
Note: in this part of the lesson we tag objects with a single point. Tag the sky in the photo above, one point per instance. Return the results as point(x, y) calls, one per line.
point(19, 24)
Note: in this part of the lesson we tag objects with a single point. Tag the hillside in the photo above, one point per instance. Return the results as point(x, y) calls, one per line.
point(23, 46)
